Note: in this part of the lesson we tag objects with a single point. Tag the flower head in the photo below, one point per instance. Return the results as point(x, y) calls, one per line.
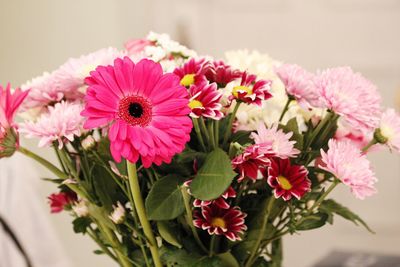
point(61, 122)
point(81, 208)
point(221, 73)
point(118, 214)
point(275, 142)
point(60, 201)
point(148, 110)
point(220, 202)
point(193, 72)
point(346, 162)
point(137, 46)
point(389, 130)
point(205, 101)
point(251, 162)
point(288, 180)
point(217, 221)
point(251, 91)
point(350, 95)
point(298, 84)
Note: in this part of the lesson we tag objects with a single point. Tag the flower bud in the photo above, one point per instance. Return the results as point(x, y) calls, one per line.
point(118, 214)
point(80, 208)
point(9, 142)
point(88, 143)
point(380, 137)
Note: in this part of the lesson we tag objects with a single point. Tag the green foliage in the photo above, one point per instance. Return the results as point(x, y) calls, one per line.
point(80, 224)
point(169, 232)
point(312, 222)
point(228, 260)
point(172, 256)
point(330, 207)
point(165, 201)
point(214, 177)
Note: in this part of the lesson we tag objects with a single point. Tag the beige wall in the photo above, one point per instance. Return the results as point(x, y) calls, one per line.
point(39, 35)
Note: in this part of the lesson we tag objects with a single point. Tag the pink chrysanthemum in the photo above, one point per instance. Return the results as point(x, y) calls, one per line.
point(350, 95)
point(298, 84)
point(148, 110)
point(288, 180)
point(205, 101)
point(70, 76)
point(193, 72)
point(220, 202)
point(58, 202)
point(61, 122)
point(217, 221)
point(134, 47)
point(251, 162)
point(222, 74)
point(275, 142)
point(389, 129)
point(357, 137)
point(251, 91)
point(346, 162)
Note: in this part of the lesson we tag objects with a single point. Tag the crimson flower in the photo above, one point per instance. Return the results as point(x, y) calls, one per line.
point(250, 90)
point(61, 200)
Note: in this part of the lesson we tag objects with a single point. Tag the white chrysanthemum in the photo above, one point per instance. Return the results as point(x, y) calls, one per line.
point(80, 208)
point(168, 46)
point(63, 121)
point(389, 129)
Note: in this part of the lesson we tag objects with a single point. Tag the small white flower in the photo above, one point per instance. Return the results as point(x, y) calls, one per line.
point(80, 208)
point(118, 214)
point(88, 143)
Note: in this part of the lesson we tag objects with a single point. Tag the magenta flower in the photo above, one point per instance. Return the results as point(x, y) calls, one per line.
point(389, 129)
point(251, 91)
point(61, 200)
point(217, 221)
point(346, 162)
point(148, 110)
point(222, 74)
point(220, 202)
point(193, 72)
point(288, 180)
point(205, 101)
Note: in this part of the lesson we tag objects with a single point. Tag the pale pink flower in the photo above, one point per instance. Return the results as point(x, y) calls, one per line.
point(390, 129)
point(351, 96)
point(63, 121)
point(298, 84)
point(137, 46)
point(275, 142)
point(348, 164)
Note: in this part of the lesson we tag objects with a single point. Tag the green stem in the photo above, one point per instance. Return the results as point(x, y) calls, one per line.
point(198, 133)
point(286, 108)
point(104, 248)
point(189, 218)
point(212, 137)
point(370, 144)
point(216, 128)
point(228, 130)
point(204, 130)
point(213, 245)
point(139, 206)
point(60, 174)
point(324, 195)
point(256, 246)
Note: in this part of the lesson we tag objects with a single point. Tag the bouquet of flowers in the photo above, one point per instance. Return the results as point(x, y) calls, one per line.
point(167, 158)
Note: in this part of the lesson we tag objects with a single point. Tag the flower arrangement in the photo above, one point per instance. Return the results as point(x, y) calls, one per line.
point(167, 158)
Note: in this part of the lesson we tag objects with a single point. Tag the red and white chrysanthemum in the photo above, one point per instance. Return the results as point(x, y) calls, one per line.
point(250, 90)
point(62, 122)
point(58, 202)
point(351, 96)
point(251, 162)
point(389, 129)
point(217, 221)
point(205, 101)
point(222, 74)
point(275, 142)
point(348, 164)
point(193, 72)
point(148, 110)
point(298, 84)
point(288, 180)
point(220, 202)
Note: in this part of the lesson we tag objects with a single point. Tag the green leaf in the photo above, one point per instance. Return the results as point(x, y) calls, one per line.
point(165, 201)
point(313, 221)
point(98, 252)
point(228, 260)
point(168, 233)
point(214, 177)
point(80, 224)
point(181, 258)
point(330, 206)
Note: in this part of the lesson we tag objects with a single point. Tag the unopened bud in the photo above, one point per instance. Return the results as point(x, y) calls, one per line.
point(118, 214)
point(380, 137)
point(8, 142)
point(88, 143)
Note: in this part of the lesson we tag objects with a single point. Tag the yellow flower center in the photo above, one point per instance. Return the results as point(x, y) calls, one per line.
point(187, 80)
point(241, 88)
point(284, 182)
point(218, 222)
point(195, 104)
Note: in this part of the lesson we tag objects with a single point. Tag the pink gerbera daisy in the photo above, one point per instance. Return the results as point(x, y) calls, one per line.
point(217, 221)
point(251, 91)
point(275, 142)
point(346, 162)
point(350, 95)
point(251, 162)
point(193, 72)
point(288, 180)
point(220, 202)
point(205, 101)
point(298, 84)
point(222, 74)
point(389, 130)
point(148, 110)
point(62, 122)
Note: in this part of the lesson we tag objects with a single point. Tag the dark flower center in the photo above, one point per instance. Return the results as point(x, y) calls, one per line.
point(135, 110)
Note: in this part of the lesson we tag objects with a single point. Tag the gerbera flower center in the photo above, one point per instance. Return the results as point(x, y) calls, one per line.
point(135, 110)
point(218, 222)
point(240, 89)
point(195, 104)
point(284, 182)
point(187, 80)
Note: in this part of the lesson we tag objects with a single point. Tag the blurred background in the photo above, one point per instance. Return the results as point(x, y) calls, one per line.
point(40, 35)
